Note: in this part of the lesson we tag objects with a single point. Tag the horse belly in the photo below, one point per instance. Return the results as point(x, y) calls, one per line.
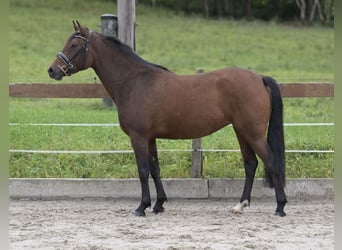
point(191, 125)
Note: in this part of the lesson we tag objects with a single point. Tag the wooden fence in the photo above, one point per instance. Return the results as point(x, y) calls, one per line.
point(90, 90)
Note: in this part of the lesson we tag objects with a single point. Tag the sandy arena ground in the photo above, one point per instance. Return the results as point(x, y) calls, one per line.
point(186, 224)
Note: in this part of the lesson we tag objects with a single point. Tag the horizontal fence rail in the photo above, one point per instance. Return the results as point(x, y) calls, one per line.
point(117, 124)
point(93, 90)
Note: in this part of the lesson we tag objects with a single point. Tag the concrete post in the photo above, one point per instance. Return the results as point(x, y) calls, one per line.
point(109, 27)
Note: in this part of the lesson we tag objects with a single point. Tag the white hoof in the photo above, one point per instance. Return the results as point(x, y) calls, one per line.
point(238, 209)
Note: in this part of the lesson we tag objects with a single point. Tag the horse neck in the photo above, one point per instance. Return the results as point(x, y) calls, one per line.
point(115, 66)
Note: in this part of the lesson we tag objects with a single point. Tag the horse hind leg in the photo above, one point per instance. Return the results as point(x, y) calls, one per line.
point(250, 164)
point(272, 178)
point(155, 173)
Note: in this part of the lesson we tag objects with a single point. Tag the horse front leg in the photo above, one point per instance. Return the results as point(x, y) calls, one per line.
point(155, 173)
point(141, 152)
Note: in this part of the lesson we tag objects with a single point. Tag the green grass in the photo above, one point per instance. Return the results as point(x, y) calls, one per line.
point(183, 44)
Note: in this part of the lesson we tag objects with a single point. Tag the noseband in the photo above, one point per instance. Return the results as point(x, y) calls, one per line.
point(68, 62)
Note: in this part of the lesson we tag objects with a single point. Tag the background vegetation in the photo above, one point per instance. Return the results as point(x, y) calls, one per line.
point(307, 11)
point(288, 52)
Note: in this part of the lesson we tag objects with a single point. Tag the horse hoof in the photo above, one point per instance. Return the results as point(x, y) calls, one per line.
point(280, 213)
point(158, 210)
point(235, 211)
point(238, 209)
point(139, 213)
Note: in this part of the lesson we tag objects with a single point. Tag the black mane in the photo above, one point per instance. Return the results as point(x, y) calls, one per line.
point(128, 49)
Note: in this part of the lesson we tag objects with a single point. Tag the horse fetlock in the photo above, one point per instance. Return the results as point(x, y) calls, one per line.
point(162, 200)
point(158, 207)
point(146, 205)
point(280, 213)
point(238, 209)
point(140, 211)
point(280, 209)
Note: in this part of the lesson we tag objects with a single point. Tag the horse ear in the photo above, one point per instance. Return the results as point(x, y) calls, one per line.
point(76, 25)
point(83, 30)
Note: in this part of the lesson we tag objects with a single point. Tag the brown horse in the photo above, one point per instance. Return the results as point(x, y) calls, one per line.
point(153, 102)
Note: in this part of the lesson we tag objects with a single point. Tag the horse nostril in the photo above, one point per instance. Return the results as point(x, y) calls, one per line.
point(50, 71)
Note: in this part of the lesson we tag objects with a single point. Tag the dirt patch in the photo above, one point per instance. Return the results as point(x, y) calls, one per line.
point(186, 224)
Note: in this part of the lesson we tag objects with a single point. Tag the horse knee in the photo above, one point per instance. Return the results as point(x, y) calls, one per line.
point(144, 172)
point(155, 173)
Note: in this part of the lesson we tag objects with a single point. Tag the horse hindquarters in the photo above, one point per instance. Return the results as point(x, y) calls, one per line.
point(271, 151)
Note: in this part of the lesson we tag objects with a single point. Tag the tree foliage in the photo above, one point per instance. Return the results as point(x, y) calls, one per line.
point(307, 11)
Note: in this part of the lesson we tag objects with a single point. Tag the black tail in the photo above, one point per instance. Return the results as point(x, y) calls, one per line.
point(275, 136)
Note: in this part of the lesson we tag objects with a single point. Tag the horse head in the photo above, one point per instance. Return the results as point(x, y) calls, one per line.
point(75, 55)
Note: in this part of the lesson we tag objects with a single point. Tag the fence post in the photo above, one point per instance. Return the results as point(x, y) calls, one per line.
point(109, 27)
point(126, 19)
point(197, 159)
point(197, 154)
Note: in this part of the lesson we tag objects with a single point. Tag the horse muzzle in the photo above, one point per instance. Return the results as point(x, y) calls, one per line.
point(57, 73)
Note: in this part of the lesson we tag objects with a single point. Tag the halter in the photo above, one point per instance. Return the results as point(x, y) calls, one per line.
point(68, 62)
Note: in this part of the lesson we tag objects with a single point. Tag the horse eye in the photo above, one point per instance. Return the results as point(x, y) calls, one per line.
point(73, 45)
